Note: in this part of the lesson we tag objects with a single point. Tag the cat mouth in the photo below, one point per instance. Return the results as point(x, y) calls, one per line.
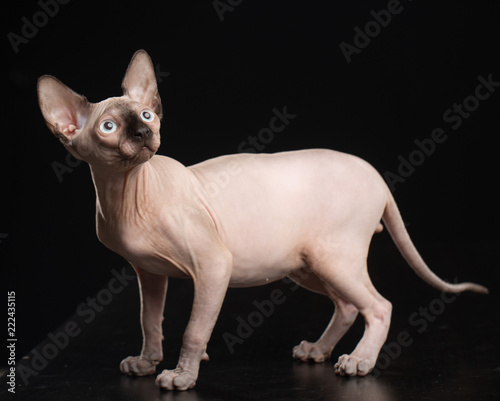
point(145, 153)
point(149, 148)
point(136, 152)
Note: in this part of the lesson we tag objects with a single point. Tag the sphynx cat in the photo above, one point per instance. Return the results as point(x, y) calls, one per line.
point(267, 223)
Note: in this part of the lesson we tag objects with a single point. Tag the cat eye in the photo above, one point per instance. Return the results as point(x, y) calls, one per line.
point(108, 127)
point(147, 115)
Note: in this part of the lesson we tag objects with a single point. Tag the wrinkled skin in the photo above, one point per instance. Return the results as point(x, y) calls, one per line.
point(233, 221)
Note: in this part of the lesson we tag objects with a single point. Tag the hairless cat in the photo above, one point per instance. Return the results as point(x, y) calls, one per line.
point(264, 225)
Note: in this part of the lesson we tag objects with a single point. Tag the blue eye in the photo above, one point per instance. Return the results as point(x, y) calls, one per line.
point(108, 126)
point(147, 115)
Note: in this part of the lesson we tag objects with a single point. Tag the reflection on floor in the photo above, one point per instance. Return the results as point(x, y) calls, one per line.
point(451, 349)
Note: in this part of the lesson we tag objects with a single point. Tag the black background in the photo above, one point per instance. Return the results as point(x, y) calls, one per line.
point(224, 79)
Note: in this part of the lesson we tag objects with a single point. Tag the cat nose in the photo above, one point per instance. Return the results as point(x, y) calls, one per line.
point(143, 132)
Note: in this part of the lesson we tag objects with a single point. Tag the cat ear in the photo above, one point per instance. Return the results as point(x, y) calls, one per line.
point(64, 111)
point(139, 82)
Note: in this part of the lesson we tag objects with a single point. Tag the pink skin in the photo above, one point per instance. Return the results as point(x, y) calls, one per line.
point(233, 221)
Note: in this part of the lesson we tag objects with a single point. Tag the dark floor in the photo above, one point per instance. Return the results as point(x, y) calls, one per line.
point(449, 349)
